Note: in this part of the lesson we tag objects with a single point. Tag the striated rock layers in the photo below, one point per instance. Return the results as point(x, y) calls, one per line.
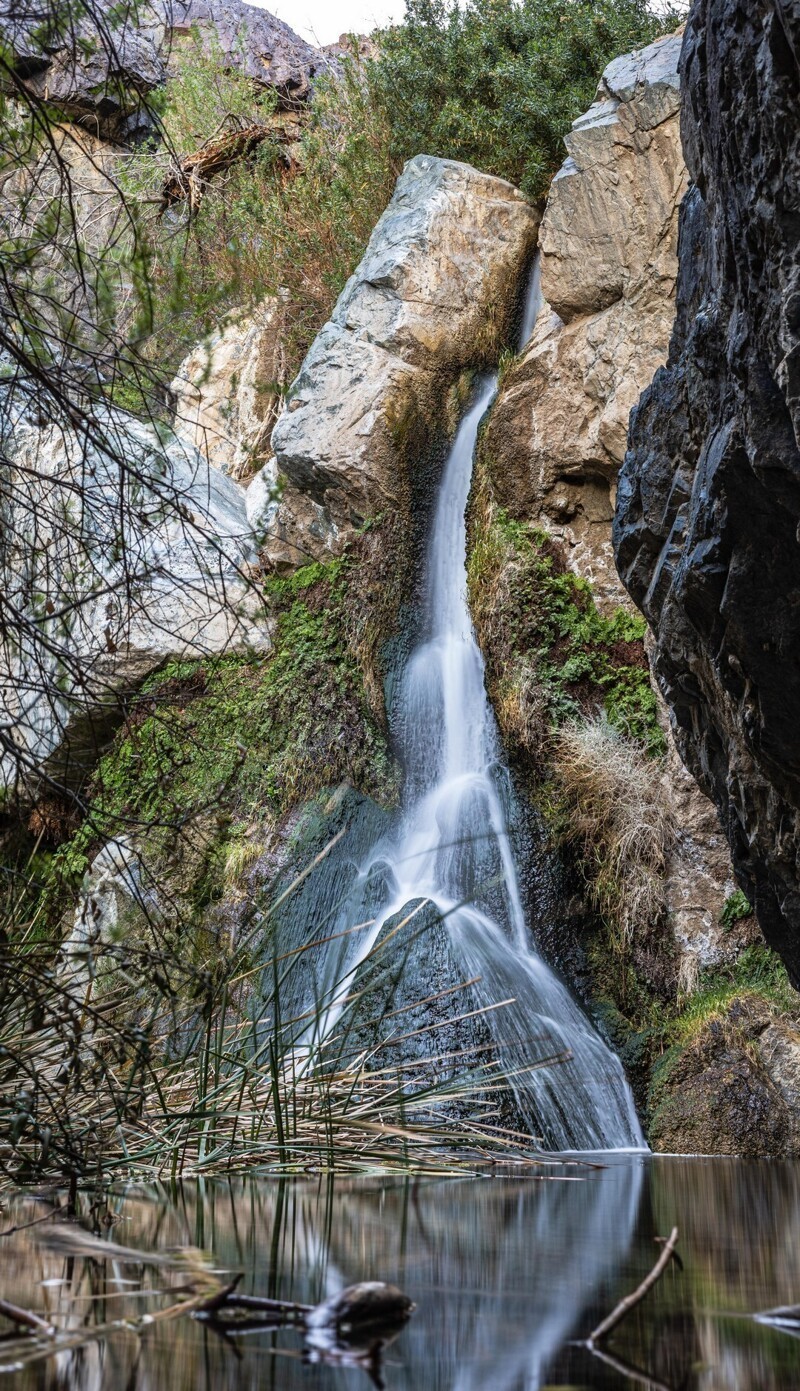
point(434, 295)
point(708, 514)
point(557, 435)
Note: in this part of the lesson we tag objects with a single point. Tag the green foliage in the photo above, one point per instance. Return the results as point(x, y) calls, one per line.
point(737, 905)
point(583, 660)
point(756, 971)
point(227, 745)
point(497, 83)
point(291, 225)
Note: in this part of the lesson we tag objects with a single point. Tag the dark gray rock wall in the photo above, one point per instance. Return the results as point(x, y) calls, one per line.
point(707, 531)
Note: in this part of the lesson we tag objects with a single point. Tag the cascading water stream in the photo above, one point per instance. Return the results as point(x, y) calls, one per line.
point(452, 848)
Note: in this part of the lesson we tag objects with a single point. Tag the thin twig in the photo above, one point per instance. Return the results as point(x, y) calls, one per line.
point(25, 1318)
point(631, 1300)
point(628, 1370)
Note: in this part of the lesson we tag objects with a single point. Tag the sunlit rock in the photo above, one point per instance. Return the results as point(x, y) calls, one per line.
point(433, 295)
point(226, 395)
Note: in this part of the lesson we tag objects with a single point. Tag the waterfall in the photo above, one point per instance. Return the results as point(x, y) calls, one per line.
point(451, 846)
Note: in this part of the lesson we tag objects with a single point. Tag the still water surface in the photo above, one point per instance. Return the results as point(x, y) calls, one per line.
point(507, 1273)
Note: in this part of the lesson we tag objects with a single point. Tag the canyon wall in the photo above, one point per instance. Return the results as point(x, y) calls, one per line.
point(557, 435)
point(706, 533)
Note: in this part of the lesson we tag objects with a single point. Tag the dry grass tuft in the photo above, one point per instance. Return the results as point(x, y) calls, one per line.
point(619, 813)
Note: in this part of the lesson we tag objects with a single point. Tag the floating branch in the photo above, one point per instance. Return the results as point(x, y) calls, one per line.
point(631, 1300)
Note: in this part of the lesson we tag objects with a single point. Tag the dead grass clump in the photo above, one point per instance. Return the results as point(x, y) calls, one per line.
point(619, 813)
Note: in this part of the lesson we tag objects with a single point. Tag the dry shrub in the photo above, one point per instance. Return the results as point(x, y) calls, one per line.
point(619, 813)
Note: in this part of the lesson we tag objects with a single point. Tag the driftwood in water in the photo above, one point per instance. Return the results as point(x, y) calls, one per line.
point(24, 1318)
point(359, 1308)
point(631, 1300)
point(351, 1329)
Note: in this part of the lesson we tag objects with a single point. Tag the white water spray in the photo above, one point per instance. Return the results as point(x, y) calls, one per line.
point(452, 848)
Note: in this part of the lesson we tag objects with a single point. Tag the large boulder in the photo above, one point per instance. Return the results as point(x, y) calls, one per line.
point(708, 513)
point(119, 551)
point(435, 294)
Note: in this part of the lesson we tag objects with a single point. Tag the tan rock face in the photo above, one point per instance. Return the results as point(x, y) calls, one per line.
point(558, 432)
point(434, 295)
point(226, 392)
point(608, 246)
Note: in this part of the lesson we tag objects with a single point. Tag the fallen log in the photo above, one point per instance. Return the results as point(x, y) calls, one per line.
point(187, 181)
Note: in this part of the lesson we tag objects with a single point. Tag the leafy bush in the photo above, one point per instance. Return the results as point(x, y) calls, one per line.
point(498, 83)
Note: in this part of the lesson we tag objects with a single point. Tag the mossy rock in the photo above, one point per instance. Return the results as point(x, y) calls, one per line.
point(712, 1094)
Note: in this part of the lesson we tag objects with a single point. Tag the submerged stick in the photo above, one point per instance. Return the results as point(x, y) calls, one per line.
point(628, 1370)
point(25, 1319)
point(631, 1300)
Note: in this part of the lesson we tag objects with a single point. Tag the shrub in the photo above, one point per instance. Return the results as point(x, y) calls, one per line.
point(736, 906)
point(289, 220)
point(497, 83)
point(618, 814)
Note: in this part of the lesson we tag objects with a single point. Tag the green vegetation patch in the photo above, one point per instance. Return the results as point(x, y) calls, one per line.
point(736, 906)
point(290, 219)
point(216, 749)
point(537, 620)
point(498, 83)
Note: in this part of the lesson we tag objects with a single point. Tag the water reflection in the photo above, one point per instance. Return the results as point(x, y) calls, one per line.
point(504, 1273)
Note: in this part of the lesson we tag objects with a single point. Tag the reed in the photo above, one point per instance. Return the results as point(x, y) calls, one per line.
point(214, 1074)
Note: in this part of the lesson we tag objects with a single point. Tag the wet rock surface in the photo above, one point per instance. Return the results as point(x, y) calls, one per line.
point(709, 500)
point(733, 1089)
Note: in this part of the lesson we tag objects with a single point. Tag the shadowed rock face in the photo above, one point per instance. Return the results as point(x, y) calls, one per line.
point(98, 70)
point(707, 530)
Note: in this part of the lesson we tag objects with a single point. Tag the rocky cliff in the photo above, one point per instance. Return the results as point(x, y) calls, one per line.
point(121, 56)
point(557, 435)
point(706, 532)
point(676, 975)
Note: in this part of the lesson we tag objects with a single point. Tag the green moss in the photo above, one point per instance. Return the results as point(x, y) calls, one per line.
point(583, 660)
point(758, 971)
point(211, 750)
point(652, 1032)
